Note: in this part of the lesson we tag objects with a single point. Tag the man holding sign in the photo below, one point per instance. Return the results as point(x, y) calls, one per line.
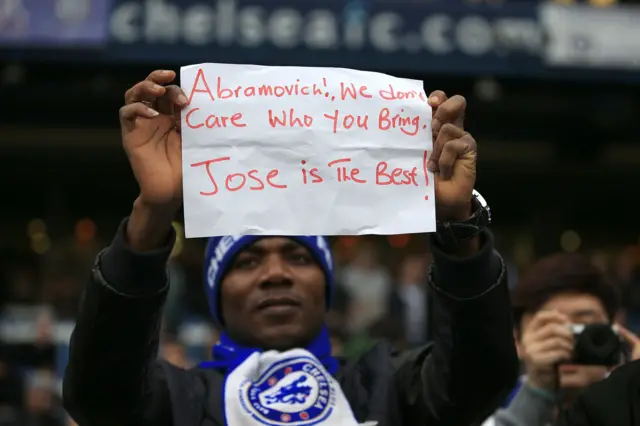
point(268, 291)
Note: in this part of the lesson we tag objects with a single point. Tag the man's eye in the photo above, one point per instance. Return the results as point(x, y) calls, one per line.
point(301, 258)
point(245, 263)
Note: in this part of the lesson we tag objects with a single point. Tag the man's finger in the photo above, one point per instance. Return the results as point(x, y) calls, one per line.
point(451, 111)
point(437, 98)
point(628, 335)
point(173, 97)
point(161, 76)
point(450, 153)
point(545, 317)
point(455, 142)
point(559, 343)
point(129, 113)
point(438, 144)
point(551, 343)
point(551, 330)
point(547, 358)
point(145, 91)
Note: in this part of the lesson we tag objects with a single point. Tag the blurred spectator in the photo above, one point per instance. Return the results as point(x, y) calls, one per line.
point(337, 335)
point(174, 310)
point(627, 273)
point(43, 406)
point(390, 329)
point(408, 301)
point(172, 351)
point(190, 261)
point(11, 391)
point(62, 291)
point(38, 351)
point(387, 328)
point(368, 284)
point(626, 263)
point(22, 285)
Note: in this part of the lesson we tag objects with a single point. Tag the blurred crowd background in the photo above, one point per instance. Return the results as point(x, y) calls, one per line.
point(553, 92)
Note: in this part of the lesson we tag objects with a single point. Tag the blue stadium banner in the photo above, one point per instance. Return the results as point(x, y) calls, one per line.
point(54, 23)
point(514, 38)
point(437, 36)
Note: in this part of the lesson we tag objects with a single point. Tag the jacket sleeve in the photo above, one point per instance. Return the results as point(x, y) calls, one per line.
point(113, 377)
point(528, 408)
point(472, 365)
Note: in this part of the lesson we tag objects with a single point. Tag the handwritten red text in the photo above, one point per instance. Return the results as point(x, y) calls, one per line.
point(394, 94)
point(385, 174)
point(289, 119)
point(345, 173)
point(347, 121)
point(283, 114)
point(351, 91)
point(313, 172)
point(397, 176)
point(212, 121)
point(237, 181)
point(406, 124)
point(220, 91)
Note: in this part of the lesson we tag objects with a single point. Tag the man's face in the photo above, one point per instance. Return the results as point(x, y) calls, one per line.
point(581, 309)
point(273, 295)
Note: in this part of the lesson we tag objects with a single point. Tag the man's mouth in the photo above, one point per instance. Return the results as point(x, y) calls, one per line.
point(283, 303)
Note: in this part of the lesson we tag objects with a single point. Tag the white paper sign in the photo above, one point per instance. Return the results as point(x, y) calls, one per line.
point(304, 151)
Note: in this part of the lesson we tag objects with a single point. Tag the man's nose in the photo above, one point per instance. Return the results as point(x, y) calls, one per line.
point(276, 271)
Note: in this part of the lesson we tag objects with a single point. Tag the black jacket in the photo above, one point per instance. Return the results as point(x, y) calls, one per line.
point(614, 401)
point(114, 378)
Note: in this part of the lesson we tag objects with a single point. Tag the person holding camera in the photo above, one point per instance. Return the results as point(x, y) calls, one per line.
point(564, 314)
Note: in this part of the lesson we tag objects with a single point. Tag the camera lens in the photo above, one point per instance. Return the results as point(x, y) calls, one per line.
point(600, 337)
point(597, 344)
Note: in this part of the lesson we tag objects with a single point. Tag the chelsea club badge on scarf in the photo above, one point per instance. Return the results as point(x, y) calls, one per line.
point(291, 388)
point(294, 391)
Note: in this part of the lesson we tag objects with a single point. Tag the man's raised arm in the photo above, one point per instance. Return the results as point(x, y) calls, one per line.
point(472, 364)
point(112, 377)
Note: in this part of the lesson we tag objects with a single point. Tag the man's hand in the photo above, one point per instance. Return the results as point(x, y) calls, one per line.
point(150, 121)
point(632, 340)
point(453, 159)
point(150, 124)
point(546, 341)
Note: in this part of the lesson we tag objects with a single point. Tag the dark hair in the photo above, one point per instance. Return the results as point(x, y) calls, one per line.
point(560, 273)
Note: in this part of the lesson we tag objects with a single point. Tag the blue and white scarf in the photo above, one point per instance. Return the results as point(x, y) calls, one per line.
point(281, 388)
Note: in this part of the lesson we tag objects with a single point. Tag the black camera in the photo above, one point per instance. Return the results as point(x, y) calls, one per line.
point(597, 344)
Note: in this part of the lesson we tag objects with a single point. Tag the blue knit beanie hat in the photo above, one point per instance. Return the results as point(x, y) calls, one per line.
point(221, 251)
